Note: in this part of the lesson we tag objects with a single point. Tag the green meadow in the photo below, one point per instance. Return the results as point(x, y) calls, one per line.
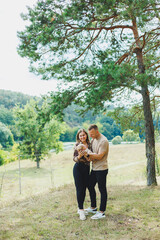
point(46, 209)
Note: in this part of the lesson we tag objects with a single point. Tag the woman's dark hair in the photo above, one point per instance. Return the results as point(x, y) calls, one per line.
point(77, 136)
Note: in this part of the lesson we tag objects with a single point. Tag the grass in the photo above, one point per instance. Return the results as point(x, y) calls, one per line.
point(132, 213)
point(46, 209)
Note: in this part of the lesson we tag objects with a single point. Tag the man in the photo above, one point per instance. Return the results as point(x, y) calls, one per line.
point(100, 147)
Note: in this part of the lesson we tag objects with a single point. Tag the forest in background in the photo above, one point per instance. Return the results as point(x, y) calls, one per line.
point(9, 99)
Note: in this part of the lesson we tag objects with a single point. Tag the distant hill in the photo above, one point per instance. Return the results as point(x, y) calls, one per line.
point(9, 99)
point(72, 118)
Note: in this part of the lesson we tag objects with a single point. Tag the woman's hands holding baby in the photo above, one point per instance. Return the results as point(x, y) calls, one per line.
point(83, 153)
point(80, 154)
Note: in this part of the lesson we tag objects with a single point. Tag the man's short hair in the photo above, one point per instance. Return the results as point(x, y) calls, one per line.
point(93, 126)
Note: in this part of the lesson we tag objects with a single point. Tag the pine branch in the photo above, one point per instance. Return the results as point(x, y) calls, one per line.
point(154, 46)
point(153, 64)
point(84, 49)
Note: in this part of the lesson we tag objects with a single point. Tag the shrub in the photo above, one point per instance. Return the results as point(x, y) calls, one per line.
point(116, 140)
point(3, 156)
point(130, 136)
point(13, 154)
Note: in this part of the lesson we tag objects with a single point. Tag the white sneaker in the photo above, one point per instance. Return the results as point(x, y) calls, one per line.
point(85, 212)
point(98, 215)
point(82, 215)
point(90, 210)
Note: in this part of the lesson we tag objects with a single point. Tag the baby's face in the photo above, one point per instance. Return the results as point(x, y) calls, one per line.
point(82, 148)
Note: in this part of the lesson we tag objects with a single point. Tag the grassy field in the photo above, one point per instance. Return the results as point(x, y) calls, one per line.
point(46, 209)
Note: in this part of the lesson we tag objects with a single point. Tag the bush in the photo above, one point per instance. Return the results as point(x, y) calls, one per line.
point(13, 153)
point(3, 156)
point(130, 136)
point(116, 140)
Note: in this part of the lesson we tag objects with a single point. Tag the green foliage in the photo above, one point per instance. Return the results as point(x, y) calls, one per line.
point(109, 127)
point(9, 156)
point(6, 137)
point(71, 34)
point(72, 117)
point(70, 134)
point(9, 99)
point(157, 163)
point(157, 135)
point(65, 31)
point(116, 140)
point(75, 37)
point(3, 156)
point(6, 116)
point(106, 124)
point(39, 135)
point(130, 136)
point(132, 118)
point(13, 153)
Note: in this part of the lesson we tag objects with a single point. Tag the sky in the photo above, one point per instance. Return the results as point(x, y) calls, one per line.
point(14, 70)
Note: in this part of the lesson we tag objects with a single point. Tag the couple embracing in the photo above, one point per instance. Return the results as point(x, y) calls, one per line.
point(95, 152)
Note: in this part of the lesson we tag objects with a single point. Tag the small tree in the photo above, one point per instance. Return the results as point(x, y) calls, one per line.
point(39, 136)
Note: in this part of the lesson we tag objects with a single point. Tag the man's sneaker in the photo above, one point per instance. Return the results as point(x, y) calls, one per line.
point(82, 215)
point(98, 215)
point(85, 212)
point(90, 210)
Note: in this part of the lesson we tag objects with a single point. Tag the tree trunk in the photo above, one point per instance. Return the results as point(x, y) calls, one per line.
point(149, 138)
point(38, 162)
point(149, 128)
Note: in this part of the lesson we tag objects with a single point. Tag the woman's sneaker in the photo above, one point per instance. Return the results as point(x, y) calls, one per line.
point(90, 210)
point(98, 215)
point(85, 212)
point(82, 215)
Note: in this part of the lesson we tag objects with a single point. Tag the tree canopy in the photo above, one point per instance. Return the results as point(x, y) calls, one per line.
point(99, 49)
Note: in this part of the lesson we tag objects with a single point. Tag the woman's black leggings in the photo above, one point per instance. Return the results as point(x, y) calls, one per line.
point(81, 179)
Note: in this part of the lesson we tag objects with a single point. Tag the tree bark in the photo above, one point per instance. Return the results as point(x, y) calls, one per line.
point(149, 138)
point(149, 128)
point(38, 161)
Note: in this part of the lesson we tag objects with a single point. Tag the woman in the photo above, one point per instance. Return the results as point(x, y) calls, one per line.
point(81, 170)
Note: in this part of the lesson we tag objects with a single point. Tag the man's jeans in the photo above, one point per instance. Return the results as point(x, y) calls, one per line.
point(100, 178)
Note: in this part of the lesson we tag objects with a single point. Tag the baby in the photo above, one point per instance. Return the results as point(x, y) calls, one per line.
point(82, 147)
